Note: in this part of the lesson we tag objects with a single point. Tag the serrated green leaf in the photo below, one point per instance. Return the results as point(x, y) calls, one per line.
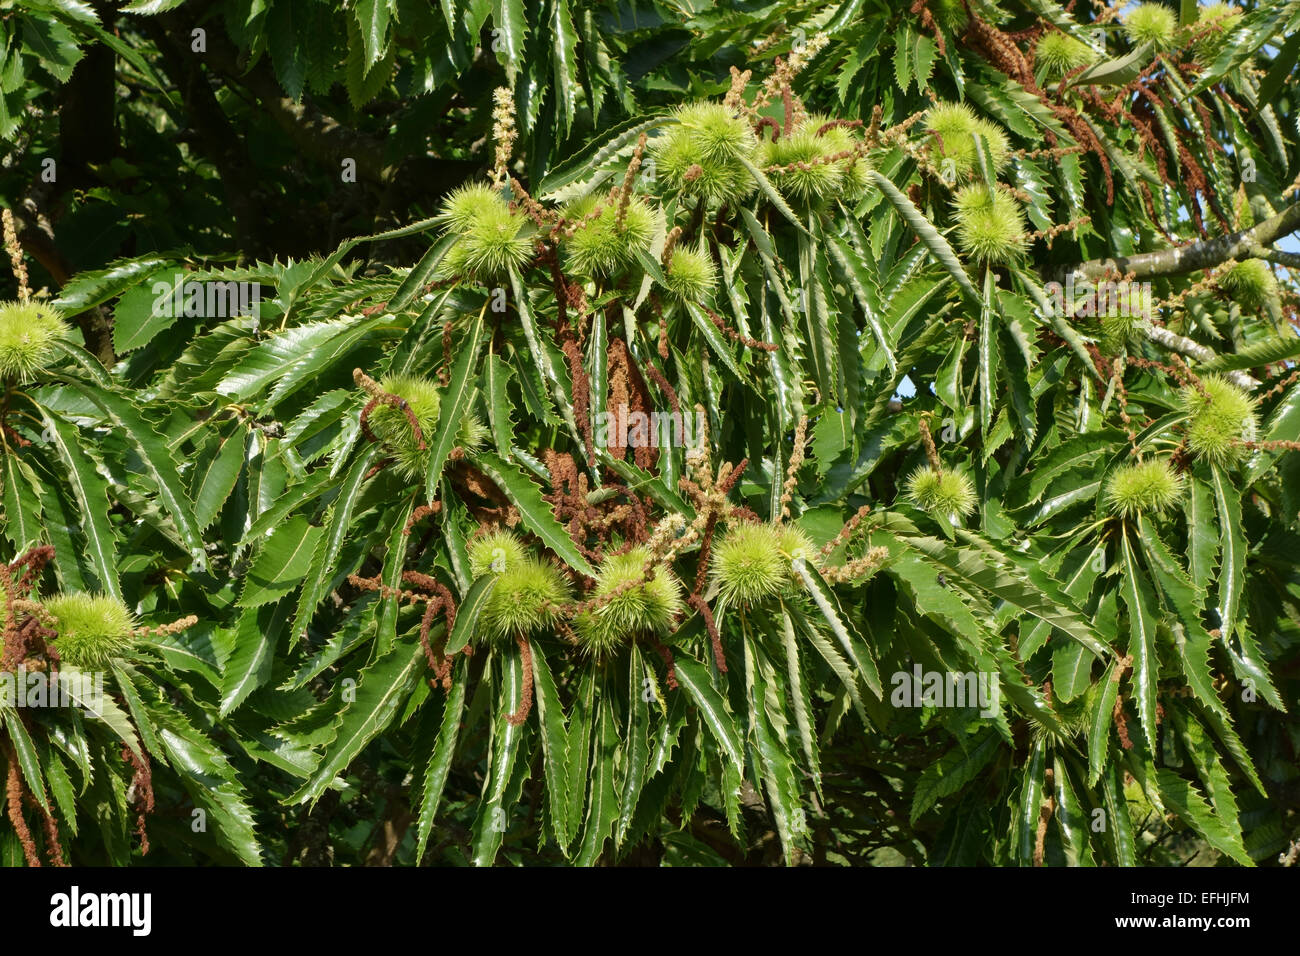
point(90, 493)
point(555, 749)
point(1184, 800)
point(1140, 602)
point(22, 502)
point(434, 777)
point(927, 233)
point(694, 679)
point(536, 514)
point(378, 693)
point(850, 641)
point(603, 808)
point(215, 478)
point(455, 405)
point(497, 382)
point(282, 563)
point(492, 820)
point(337, 527)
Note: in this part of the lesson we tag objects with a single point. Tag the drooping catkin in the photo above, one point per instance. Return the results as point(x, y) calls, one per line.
point(15, 250)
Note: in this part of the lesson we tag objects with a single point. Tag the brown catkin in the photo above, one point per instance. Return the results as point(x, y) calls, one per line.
point(15, 250)
point(14, 801)
point(526, 699)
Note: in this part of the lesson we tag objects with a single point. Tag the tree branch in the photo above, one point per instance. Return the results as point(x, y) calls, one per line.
point(1289, 259)
point(1196, 255)
point(1185, 346)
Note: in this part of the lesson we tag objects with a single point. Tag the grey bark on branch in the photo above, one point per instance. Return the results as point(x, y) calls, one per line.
point(1289, 259)
point(1185, 346)
point(1206, 254)
point(1194, 256)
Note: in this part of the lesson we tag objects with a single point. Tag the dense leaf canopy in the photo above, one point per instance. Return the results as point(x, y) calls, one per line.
point(524, 431)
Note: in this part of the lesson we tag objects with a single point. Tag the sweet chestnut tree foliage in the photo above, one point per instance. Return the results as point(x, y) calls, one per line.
point(845, 434)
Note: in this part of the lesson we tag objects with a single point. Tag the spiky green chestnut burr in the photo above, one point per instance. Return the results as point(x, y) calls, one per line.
point(690, 274)
point(28, 331)
point(1251, 284)
point(1221, 417)
point(804, 169)
point(810, 181)
point(944, 494)
point(1059, 53)
point(526, 598)
point(951, 15)
point(1211, 42)
point(1143, 488)
point(93, 629)
point(701, 153)
point(795, 545)
point(1121, 330)
point(714, 132)
point(1152, 23)
point(990, 224)
point(955, 126)
point(495, 553)
point(749, 565)
point(467, 204)
point(602, 245)
point(492, 237)
point(638, 607)
point(473, 434)
point(392, 427)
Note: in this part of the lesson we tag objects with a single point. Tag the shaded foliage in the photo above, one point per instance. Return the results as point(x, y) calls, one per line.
point(402, 592)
